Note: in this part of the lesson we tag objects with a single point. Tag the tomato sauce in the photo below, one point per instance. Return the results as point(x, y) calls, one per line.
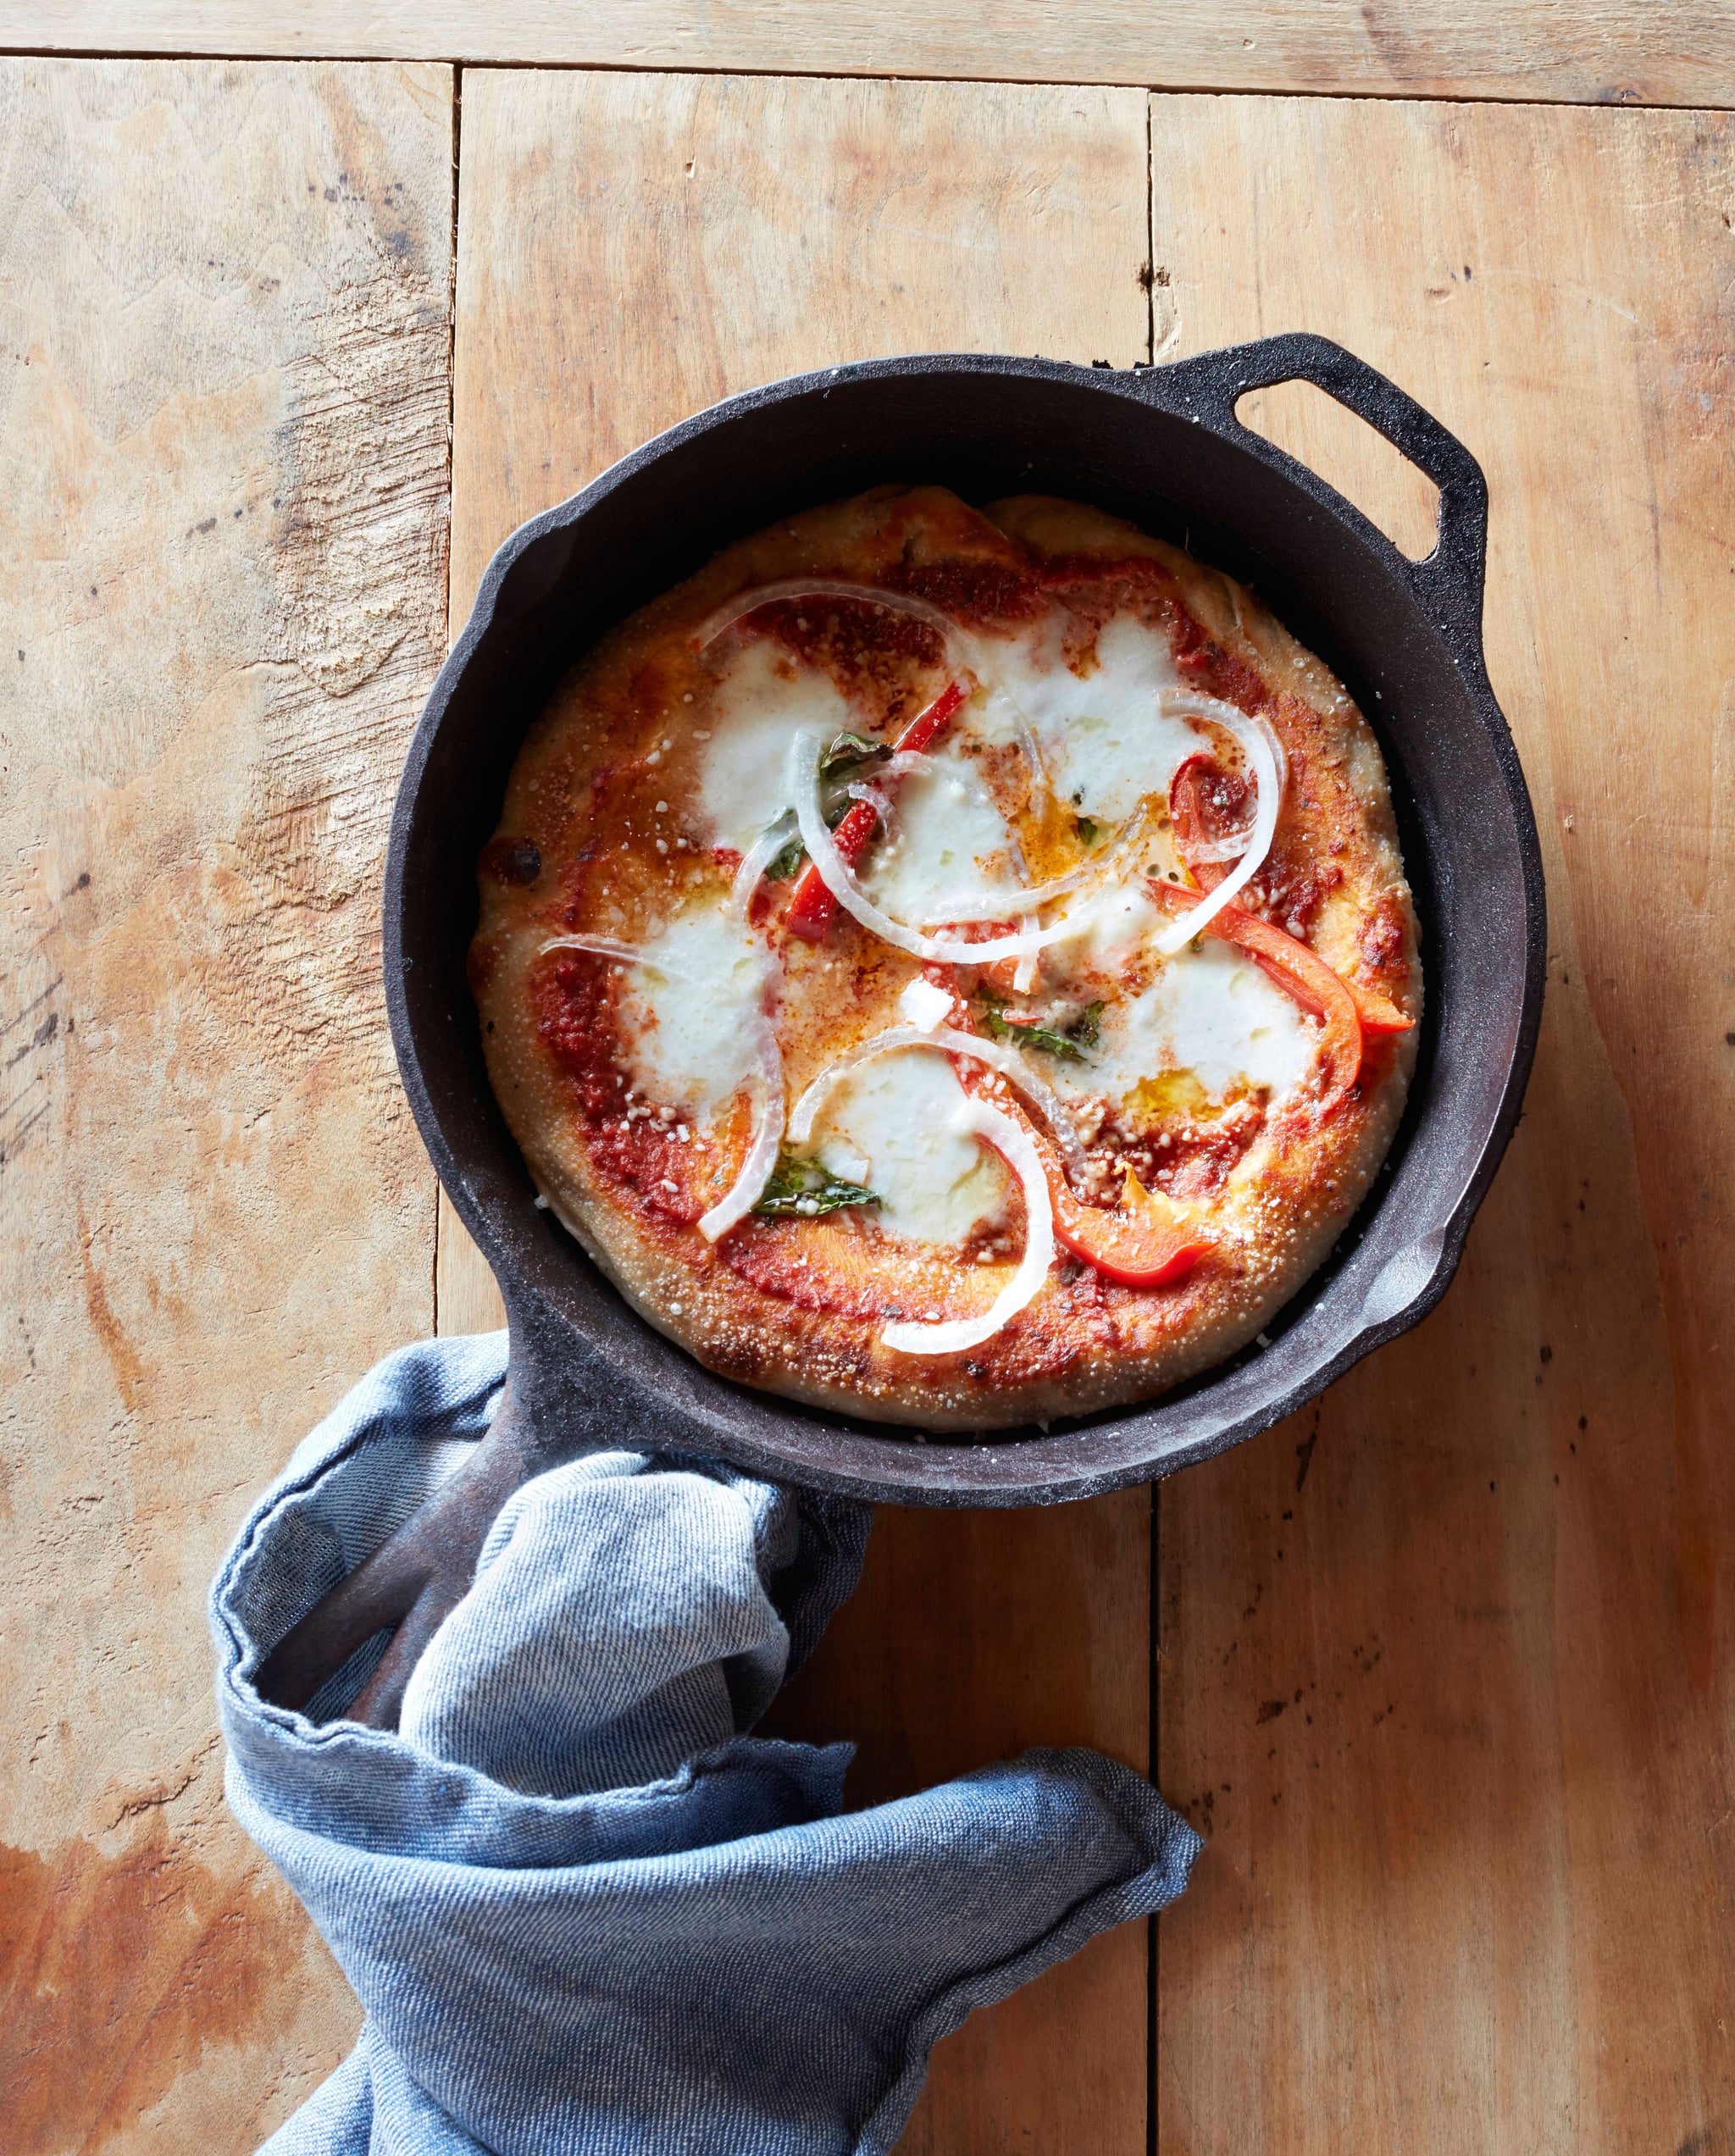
point(575, 998)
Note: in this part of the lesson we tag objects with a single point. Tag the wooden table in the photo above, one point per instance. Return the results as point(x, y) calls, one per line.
point(288, 343)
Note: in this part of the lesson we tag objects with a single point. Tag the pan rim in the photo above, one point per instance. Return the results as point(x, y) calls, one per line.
point(1007, 1469)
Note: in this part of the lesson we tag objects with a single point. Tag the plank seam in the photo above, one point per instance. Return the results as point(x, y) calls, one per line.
point(457, 87)
point(1397, 95)
point(1150, 279)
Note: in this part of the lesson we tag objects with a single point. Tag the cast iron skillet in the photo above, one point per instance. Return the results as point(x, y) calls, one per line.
point(1163, 446)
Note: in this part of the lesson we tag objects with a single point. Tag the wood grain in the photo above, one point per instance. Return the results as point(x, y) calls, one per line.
point(1596, 52)
point(224, 295)
point(972, 1636)
point(631, 249)
point(1446, 1662)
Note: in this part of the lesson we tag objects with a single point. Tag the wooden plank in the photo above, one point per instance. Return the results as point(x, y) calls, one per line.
point(631, 248)
point(224, 295)
point(972, 1636)
point(1597, 52)
point(1446, 1663)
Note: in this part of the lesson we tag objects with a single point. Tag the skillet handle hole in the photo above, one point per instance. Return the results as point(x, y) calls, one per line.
point(1351, 456)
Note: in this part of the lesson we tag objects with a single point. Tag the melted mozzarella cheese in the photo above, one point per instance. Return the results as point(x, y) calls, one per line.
point(889, 1126)
point(688, 1036)
point(755, 709)
point(1211, 1012)
point(947, 840)
point(1105, 744)
point(1112, 925)
point(924, 1004)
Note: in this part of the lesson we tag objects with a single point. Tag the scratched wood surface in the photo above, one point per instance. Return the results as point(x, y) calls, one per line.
point(1597, 52)
point(1446, 1664)
point(224, 295)
point(630, 248)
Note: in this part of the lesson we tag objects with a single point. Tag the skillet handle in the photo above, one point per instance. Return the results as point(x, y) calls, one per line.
point(1449, 582)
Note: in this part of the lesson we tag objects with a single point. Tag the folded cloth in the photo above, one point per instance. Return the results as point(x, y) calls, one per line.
point(584, 1910)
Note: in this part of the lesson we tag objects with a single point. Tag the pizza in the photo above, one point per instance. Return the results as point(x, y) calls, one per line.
point(951, 966)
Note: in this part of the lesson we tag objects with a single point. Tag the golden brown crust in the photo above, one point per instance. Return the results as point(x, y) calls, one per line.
point(797, 1307)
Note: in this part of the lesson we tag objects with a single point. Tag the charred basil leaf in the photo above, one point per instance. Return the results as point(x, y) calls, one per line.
point(802, 1188)
point(1069, 1045)
point(1083, 1027)
point(782, 866)
point(849, 749)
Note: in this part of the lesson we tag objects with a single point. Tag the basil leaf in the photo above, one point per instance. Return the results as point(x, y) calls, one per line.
point(801, 1190)
point(1069, 1045)
point(782, 866)
point(1083, 1027)
point(848, 750)
point(1090, 831)
point(1043, 1037)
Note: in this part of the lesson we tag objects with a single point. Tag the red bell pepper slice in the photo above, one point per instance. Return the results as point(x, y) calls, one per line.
point(1275, 952)
point(1378, 1016)
point(1193, 815)
point(1303, 973)
point(1136, 1245)
point(1139, 1243)
point(812, 909)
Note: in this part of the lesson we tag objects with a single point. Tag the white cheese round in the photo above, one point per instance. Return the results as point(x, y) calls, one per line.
point(688, 1044)
point(1103, 740)
point(889, 1127)
point(947, 840)
point(755, 709)
point(1211, 1012)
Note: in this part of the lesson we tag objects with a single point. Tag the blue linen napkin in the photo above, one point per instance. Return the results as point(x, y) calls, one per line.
point(586, 1913)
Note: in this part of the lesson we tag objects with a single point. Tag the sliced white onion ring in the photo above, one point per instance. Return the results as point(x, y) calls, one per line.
point(825, 587)
point(764, 850)
point(1024, 979)
point(994, 905)
point(1260, 745)
point(1229, 848)
point(765, 1081)
point(743, 1193)
point(624, 954)
point(1013, 1145)
point(1188, 703)
point(839, 880)
point(996, 1055)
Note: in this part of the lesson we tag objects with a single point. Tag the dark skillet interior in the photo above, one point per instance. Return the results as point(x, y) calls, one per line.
point(1406, 642)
